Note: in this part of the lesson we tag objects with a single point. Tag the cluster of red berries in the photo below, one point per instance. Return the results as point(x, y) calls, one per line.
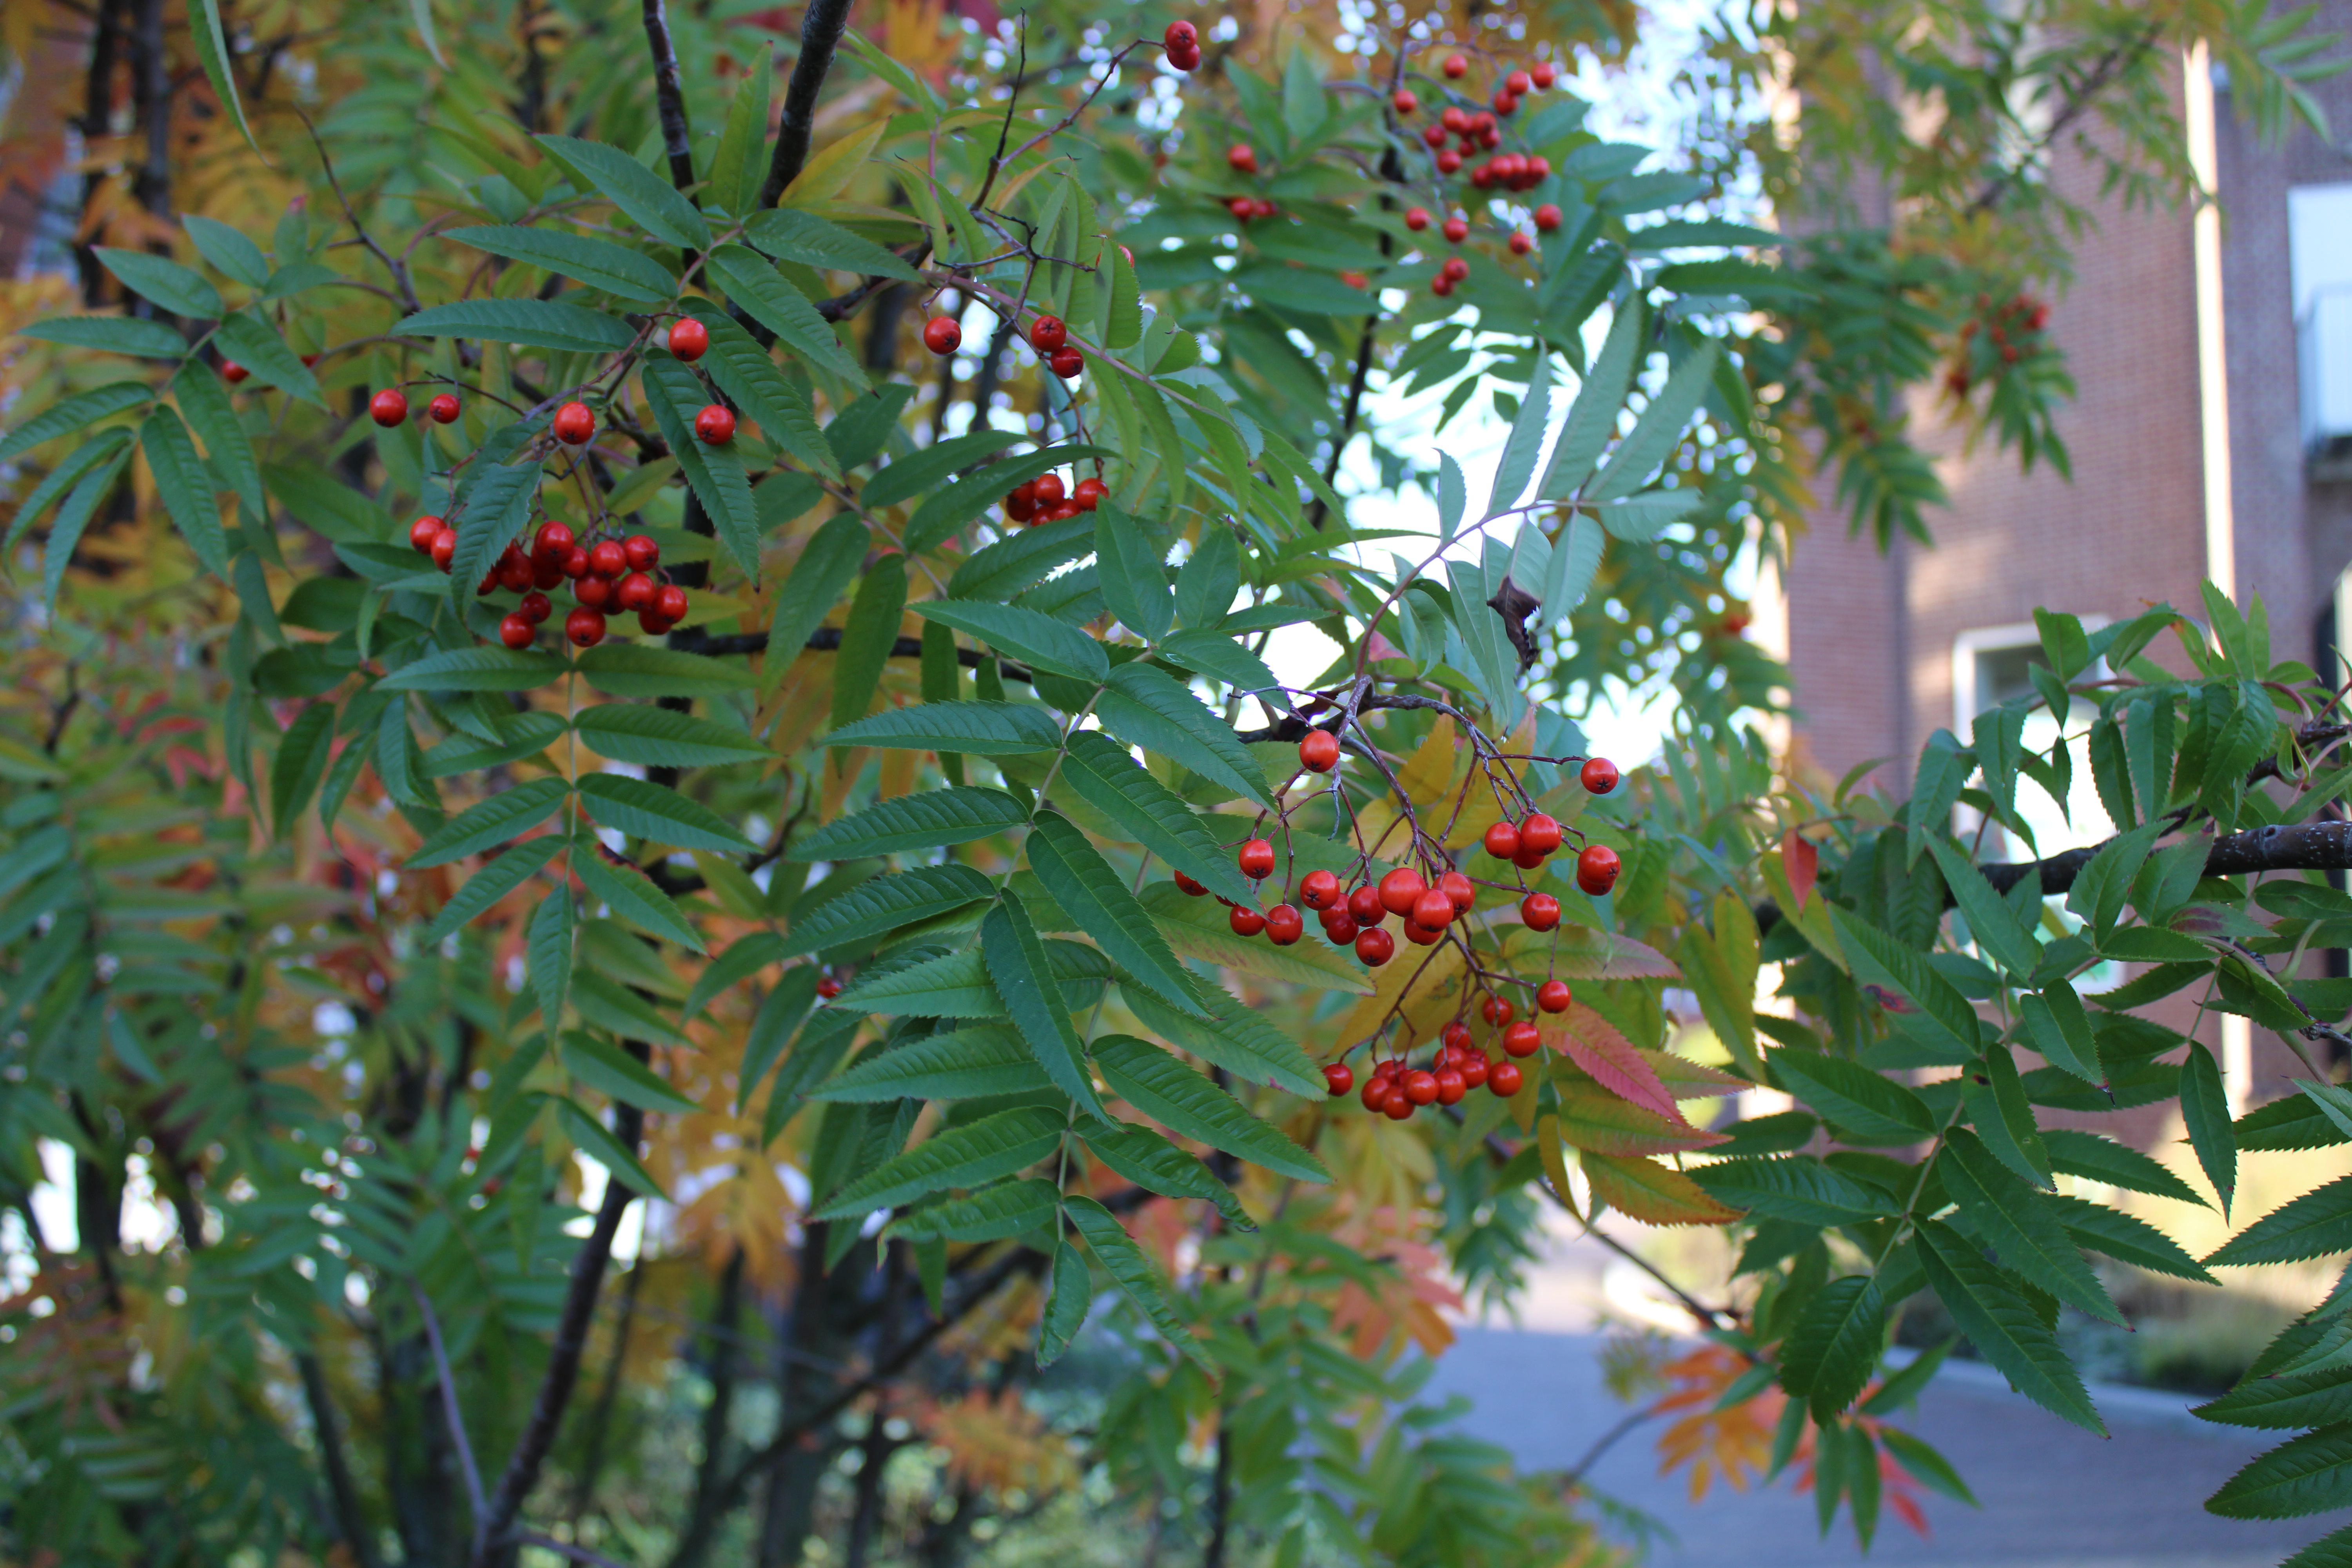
point(1044, 499)
point(616, 572)
point(388, 409)
point(1183, 43)
point(1051, 338)
point(1244, 208)
point(2020, 316)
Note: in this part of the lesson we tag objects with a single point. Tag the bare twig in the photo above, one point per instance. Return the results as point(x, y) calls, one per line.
point(821, 29)
point(449, 1411)
point(392, 264)
point(669, 96)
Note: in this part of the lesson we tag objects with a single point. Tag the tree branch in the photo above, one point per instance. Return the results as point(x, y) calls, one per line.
point(821, 29)
point(450, 1410)
point(669, 96)
point(2103, 73)
point(343, 1492)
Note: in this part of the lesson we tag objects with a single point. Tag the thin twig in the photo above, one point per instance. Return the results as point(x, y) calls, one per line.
point(392, 264)
point(449, 1411)
point(821, 29)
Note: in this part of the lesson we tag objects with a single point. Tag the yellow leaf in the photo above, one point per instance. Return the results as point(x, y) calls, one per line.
point(1428, 773)
point(1597, 1122)
point(1650, 1193)
point(1436, 989)
point(828, 174)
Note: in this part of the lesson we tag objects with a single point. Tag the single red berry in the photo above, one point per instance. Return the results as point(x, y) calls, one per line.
point(515, 630)
point(1522, 1038)
point(828, 988)
point(1048, 489)
point(422, 532)
point(535, 607)
point(1599, 775)
point(1365, 905)
point(1421, 935)
point(1090, 494)
point(1419, 1086)
point(1400, 888)
point(574, 424)
point(1455, 269)
point(1540, 911)
point(1400, 1106)
point(1474, 1067)
point(514, 572)
point(1456, 1036)
point(1483, 176)
point(1539, 171)
point(1504, 103)
point(1340, 928)
point(1020, 502)
point(1320, 891)
point(1457, 229)
point(444, 548)
point(1318, 752)
point(1553, 996)
point(1433, 910)
point(1067, 362)
point(1256, 860)
point(1243, 209)
point(635, 591)
point(670, 603)
point(1547, 216)
point(1539, 832)
point(1375, 947)
point(1521, 243)
point(1375, 1095)
point(1496, 1010)
point(575, 563)
point(943, 336)
point(594, 591)
point(1416, 219)
point(444, 409)
point(1459, 891)
point(1502, 1078)
point(1597, 868)
point(1181, 36)
point(1543, 74)
point(1406, 102)
point(1244, 920)
point(233, 373)
point(715, 426)
point(1047, 333)
point(1456, 66)
point(607, 559)
point(1190, 887)
point(1242, 158)
point(689, 339)
point(1433, 133)
point(1527, 859)
point(1454, 119)
point(1502, 840)
point(1517, 83)
point(642, 552)
point(1451, 1086)
point(1285, 925)
point(554, 539)
point(389, 407)
point(585, 627)
point(1448, 162)
point(1338, 1078)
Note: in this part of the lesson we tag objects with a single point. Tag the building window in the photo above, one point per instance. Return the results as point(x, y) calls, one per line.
point(2319, 262)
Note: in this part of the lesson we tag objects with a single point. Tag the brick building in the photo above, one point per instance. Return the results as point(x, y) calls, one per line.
point(2211, 437)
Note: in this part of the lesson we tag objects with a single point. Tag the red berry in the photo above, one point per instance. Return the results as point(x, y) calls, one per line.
point(389, 407)
point(1504, 103)
point(444, 548)
point(1181, 38)
point(1048, 490)
point(1338, 1078)
point(1454, 119)
point(1400, 888)
point(534, 608)
point(513, 571)
point(1047, 333)
point(554, 539)
point(1527, 859)
point(594, 591)
point(1340, 928)
point(689, 339)
point(1543, 74)
point(1284, 925)
point(1320, 891)
point(1067, 362)
point(1244, 920)
point(1448, 161)
point(1421, 935)
point(1242, 158)
point(574, 424)
point(1522, 1038)
point(642, 554)
point(1517, 83)
point(1400, 1107)
point(1539, 171)
point(1539, 832)
point(1496, 1010)
point(515, 630)
point(1540, 911)
point(1597, 868)
point(635, 591)
point(585, 627)
point(1364, 904)
point(1404, 100)
point(607, 559)
point(1419, 1086)
point(1433, 910)
point(1090, 494)
point(715, 426)
point(1473, 1068)
point(1599, 775)
point(444, 409)
point(575, 563)
point(1456, 66)
point(1483, 176)
point(1243, 207)
point(1457, 229)
point(1434, 134)
point(1459, 891)
point(1375, 1095)
point(1375, 947)
point(1416, 219)
point(941, 335)
point(1451, 1086)
point(422, 532)
point(1456, 1036)
point(1020, 503)
point(1190, 887)
point(233, 373)
point(670, 604)
point(1553, 996)
point(1547, 215)
point(1502, 1078)
point(1521, 243)
point(1455, 269)
point(1256, 860)
point(1319, 751)
point(828, 988)
point(1503, 840)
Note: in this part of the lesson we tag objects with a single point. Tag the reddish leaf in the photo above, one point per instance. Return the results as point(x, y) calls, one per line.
point(1593, 1044)
point(1801, 860)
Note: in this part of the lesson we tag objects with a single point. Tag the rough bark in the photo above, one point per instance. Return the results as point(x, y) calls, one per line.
point(821, 29)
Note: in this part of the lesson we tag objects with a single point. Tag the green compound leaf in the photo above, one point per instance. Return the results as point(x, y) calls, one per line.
point(932, 820)
point(965, 1064)
point(606, 1066)
point(2313, 1474)
point(885, 903)
point(1146, 707)
point(644, 809)
point(1024, 976)
point(658, 738)
point(967, 1156)
point(641, 669)
point(1101, 772)
point(491, 883)
point(1233, 1037)
point(975, 729)
point(503, 816)
point(1155, 1164)
point(2006, 1213)
point(634, 898)
point(1030, 635)
point(529, 323)
point(1186, 1102)
point(1831, 1353)
point(598, 263)
point(2003, 1325)
point(651, 203)
point(1093, 895)
point(1126, 1263)
point(2312, 1225)
point(992, 1214)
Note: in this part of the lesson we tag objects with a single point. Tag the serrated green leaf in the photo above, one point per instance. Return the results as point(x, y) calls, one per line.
point(2312, 1225)
point(1024, 976)
point(2205, 1106)
point(643, 669)
point(1101, 772)
point(1185, 1102)
point(185, 487)
point(551, 954)
point(2003, 1325)
point(477, 669)
point(608, 1069)
point(491, 883)
point(956, 984)
point(648, 810)
point(744, 957)
point(775, 403)
point(606, 1004)
point(920, 472)
point(301, 764)
point(884, 903)
point(676, 396)
point(205, 404)
point(791, 235)
point(828, 565)
point(966, 1156)
point(1525, 443)
point(503, 816)
point(493, 514)
point(82, 409)
point(530, 323)
point(1199, 928)
point(1221, 657)
point(659, 738)
point(1792, 1187)
point(1156, 1165)
point(254, 343)
point(1094, 896)
point(1829, 1356)
point(967, 1063)
point(212, 51)
point(975, 729)
point(994, 1213)
point(1234, 1037)
point(2093, 1158)
point(1134, 575)
point(1148, 708)
point(868, 637)
point(650, 202)
point(2060, 1028)
point(952, 506)
point(632, 897)
point(1034, 639)
point(178, 289)
point(111, 334)
point(930, 820)
point(2015, 1219)
point(1874, 1107)
point(1944, 1015)
point(2312, 1473)
point(780, 1013)
point(1069, 1291)
point(755, 286)
point(73, 518)
point(598, 263)
point(1126, 1263)
point(1998, 1106)
point(2125, 1239)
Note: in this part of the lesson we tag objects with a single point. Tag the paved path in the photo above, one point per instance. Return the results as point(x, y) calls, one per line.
point(2054, 1496)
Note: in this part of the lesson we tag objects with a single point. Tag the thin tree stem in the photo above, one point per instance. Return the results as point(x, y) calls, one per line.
point(821, 28)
